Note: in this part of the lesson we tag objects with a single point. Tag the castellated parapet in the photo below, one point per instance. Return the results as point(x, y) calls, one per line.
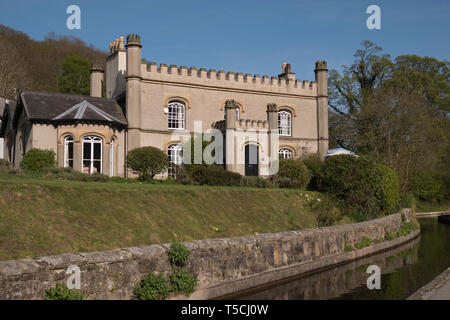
point(321, 65)
point(117, 45)
point(228, 80)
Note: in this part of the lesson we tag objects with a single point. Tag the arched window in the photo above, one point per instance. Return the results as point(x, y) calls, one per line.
point(111, 158)
point(176, 115)
point(68, 152)
point(284, 123)
point(285, 154)
point(175, 153)
point(92, 154)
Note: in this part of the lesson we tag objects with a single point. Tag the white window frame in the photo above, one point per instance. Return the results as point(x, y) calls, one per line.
point(92, 140)
point(111, 159)
point(284, 123)
point(176, 115)
point(285, 153)
point(175, 154)
point(67, 141)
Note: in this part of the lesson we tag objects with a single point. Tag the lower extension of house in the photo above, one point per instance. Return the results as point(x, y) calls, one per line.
point(151, 105)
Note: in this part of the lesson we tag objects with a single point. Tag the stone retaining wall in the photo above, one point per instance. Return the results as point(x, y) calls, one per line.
point(222, 266)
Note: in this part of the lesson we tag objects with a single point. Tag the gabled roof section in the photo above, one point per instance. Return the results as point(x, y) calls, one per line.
point(67, 108)
point(85, 109)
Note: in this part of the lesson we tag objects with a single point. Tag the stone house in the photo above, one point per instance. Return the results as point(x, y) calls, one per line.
point(259, 118)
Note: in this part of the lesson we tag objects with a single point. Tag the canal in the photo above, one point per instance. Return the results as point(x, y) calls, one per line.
point(404, 270)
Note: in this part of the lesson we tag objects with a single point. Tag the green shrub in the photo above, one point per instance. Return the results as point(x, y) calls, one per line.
point(256, 182)
point(348, 247)
point(178, 254)
point(147, 162)
point(326, 211)
point(60, 293)
point(364, 243)
point(213, 175)
point(37, 160)
point(378, 240)
point(70, 174)
point(369, 188)
point(389, 236)
point(316, 169)
point(98, 177)
point(295, 171)
point(4, 164)
point(182, 281)
point(406, 229)
point(152, 287)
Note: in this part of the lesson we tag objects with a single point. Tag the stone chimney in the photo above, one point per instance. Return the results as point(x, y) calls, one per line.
point(286, 72)
point(96, 80)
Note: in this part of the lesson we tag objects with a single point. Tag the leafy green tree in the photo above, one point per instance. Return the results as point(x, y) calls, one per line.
point(75, 76)
point(393, 110)
point(147, 162)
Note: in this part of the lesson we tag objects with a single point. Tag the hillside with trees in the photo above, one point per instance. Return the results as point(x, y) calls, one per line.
point(38, 64)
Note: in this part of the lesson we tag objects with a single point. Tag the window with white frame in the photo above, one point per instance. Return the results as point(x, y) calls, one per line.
point(175, 153)
point(176, 115)
point(68, 152)
point(111, 158)
point(284, 123)
point(285, 154)
point(92, 154)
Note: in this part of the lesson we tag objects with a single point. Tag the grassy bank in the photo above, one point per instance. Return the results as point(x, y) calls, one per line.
point(43, 217)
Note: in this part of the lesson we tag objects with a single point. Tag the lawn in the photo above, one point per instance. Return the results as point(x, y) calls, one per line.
point(41, 217)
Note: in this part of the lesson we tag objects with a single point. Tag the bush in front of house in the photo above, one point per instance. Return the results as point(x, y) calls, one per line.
point(315, 167)
point(292, 173)
point(72, 175)
point(147, 162)
point(255, 182)
point(37, 160)
point(369, 189)
point(212, 175)
point(5, 166)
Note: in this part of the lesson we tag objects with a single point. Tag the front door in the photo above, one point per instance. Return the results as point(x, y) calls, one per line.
point(251, 160)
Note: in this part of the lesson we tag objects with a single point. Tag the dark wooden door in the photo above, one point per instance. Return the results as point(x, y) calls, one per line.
point(251, 160)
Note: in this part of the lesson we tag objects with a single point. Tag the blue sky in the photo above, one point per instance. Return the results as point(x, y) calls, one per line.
point(247, 36)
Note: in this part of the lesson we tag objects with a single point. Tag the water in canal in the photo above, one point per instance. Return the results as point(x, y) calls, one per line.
point(404, 270)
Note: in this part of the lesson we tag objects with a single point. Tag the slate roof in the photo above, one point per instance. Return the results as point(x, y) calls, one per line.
point(67, 108)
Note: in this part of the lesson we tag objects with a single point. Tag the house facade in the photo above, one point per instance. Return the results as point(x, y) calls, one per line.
point(256, 117)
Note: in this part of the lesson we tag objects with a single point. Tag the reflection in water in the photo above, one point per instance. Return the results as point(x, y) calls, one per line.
point(404, 270)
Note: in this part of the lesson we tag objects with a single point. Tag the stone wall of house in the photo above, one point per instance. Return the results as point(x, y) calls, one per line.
point(222, 266)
